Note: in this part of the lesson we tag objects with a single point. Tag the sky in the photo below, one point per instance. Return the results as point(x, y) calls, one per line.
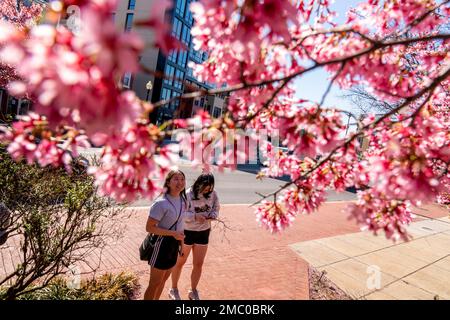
point(314, 84)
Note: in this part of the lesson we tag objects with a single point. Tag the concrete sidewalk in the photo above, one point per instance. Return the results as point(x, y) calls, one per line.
point(368, 267)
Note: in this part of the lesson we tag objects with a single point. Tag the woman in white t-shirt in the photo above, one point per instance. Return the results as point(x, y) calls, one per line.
point(165, 222)
point(203, 207)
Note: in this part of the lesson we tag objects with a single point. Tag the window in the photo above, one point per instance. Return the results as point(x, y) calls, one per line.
point(173, 56)
point(176, 28)
point(217, 112)
point(188, 13)
point(131, 4)
point(129, 22)
point(169, 71)
point(190, 72)
point(181, 4)
point(196, 56)
point(186, 33)
point(165, 93)
point(179, 75)
point(182, 58)
point(126, 80)
point(174, 104)
point(24, 107)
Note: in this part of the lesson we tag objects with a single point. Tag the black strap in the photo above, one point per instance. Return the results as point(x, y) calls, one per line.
point(181, 208)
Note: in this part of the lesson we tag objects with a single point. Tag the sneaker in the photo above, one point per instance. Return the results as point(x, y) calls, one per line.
point(173, 294)
point(193, 295)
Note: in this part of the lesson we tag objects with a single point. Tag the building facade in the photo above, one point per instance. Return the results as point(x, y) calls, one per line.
point(10, 107)
point(179, 77)
point(175, 66)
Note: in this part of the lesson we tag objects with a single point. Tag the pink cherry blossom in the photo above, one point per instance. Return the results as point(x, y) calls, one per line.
point(271, 216)
point(374, 212)
point(257, 50)
point(129, 166)
point(72, 79)
point(30, 139)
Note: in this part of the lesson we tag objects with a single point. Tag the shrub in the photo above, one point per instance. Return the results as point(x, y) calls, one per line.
point(58, 218)
point(121, 286)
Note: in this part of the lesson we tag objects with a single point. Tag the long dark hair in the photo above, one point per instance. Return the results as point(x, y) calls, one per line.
point(167, 181)
point(203, 180)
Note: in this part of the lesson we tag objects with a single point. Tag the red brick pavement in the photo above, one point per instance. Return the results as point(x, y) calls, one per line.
point(244, 262)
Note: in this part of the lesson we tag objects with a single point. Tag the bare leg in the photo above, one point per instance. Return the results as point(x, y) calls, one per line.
point(176, 270)
point(198, 257)
point(161, 287)
point(156, 278)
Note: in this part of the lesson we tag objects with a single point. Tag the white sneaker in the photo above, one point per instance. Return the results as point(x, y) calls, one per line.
point(174, 294)
point(193, 295)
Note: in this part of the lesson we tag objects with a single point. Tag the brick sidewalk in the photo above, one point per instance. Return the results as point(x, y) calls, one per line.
point(246, 262)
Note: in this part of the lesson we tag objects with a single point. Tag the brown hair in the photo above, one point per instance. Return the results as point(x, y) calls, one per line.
point(169, 177)
point(204, 180)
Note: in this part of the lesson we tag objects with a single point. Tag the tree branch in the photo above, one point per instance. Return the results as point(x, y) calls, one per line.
point(372, 125)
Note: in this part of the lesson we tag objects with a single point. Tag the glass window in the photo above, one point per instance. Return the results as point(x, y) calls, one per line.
point(188, 13)
point(190, 72)
point(217, 112)
point(197, 56)
point(182, 58)
point(169, 71)
point(126, 80)
point(176, 28)
point(131, 4)
point(176, 83)
point(173, 56)
point(179, 75)
point(174, 104)
point(129, 22)
point(165, 94)
point(185, 36)
point(181, 4)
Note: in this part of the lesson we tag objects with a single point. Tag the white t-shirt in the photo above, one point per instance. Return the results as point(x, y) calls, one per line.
point(166, 210)
point(207, 207)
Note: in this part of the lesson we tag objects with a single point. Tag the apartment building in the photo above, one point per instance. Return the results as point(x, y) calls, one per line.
point(175, 66)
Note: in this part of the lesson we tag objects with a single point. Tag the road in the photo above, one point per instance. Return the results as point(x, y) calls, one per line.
point(236, 187)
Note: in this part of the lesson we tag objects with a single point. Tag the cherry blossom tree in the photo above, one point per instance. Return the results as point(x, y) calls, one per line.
point(254, 56)
point(20, 14)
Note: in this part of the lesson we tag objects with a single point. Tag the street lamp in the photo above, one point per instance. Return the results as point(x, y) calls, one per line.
point(149, 87)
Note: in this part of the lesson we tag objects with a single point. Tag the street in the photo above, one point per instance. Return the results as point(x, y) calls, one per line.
point(233, 187)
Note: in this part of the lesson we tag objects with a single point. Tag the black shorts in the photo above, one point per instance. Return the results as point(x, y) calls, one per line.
point(196, 237)
point(165, 253)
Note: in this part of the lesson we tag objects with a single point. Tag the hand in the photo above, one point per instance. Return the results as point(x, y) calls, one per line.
point(200, 218)
point(178, 235)
point(180, 250)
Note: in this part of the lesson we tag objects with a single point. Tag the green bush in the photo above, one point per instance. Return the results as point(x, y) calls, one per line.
point(57, 218)
point(123, 286)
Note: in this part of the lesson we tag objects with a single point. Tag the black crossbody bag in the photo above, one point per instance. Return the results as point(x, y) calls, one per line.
point(148, 245)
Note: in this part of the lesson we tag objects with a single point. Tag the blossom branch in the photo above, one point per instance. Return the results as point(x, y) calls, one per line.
point(372, 125)
point(242, 86)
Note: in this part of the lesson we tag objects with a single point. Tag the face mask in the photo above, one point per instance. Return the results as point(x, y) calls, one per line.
point(206, 195)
